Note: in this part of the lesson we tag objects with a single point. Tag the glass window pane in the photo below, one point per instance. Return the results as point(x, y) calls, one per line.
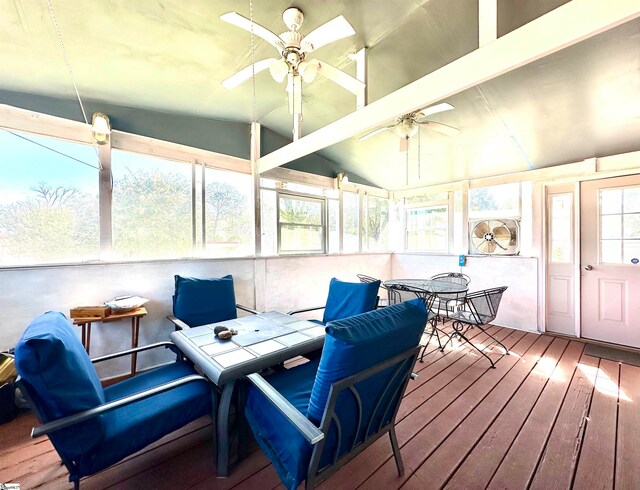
point(229, 213)
point(301, 223)
point(611, 251)
point(611, 226)
point(350, 237)
point(632, 225)
point(494, 201)
point(561, 232)
point(427, 198)
point(48, 200)
point(631, 199)
point(296, 238)
point(610, 201)
point(631, 250)
point(269, 242)
point(151, 207)
point(302, 211)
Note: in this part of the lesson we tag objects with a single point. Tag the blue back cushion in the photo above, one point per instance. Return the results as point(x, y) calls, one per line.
point(201, 301)
point(349, 299)
point(357, 343)
point(53, 363)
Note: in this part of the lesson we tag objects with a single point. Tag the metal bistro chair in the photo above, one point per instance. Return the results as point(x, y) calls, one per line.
point(400, 291)
point(478, 310)
point(446, 303)
point(391, 295)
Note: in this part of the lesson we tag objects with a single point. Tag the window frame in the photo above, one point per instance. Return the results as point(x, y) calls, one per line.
point(323, 218)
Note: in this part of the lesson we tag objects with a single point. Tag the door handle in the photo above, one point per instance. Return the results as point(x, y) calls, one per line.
point(588, 267)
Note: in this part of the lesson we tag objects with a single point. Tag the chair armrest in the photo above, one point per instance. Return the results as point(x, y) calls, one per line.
point(76, 418)
point(303, 310)
point(178, 323)
point(167, 345)
point(309, 431)
point(247, 309)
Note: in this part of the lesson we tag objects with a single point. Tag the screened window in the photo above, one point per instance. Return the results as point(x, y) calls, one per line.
point(351, 222)
point(301, 224)
point(495, 201)
point(619, 225)
point(228, 213)
point(427, 228)
point(377, 222)
point(48, 200)
point(151, 207)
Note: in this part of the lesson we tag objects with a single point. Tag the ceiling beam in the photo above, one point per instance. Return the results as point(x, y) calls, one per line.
point(569, 24)
point(487, 21)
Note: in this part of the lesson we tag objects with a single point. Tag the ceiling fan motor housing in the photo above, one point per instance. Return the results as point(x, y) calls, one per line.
point(293, 18)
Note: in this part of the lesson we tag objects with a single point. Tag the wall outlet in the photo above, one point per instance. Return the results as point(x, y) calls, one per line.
point(462, 260)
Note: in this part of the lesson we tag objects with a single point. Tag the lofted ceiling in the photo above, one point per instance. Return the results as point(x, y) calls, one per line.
point(170, 56)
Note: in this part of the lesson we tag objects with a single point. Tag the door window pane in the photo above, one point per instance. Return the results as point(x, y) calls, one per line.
point(151, 207)
point(619, 225)
point(228, 213)
point(561, 231)
point(48, 200)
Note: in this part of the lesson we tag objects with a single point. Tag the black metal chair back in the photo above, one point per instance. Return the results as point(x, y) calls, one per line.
point(392, 297)
point(480, 308)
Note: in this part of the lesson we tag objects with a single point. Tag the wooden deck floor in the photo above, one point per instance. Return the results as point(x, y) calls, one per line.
point(547, 417)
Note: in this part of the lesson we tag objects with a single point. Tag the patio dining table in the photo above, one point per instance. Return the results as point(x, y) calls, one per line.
point(429, 289)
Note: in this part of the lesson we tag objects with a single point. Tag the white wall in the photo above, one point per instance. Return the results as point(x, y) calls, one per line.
point(519, 307)
point(282, 283)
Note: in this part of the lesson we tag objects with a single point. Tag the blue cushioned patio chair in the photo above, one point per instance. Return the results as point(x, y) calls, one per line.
point(201, 301)
point(90, 427)
point(346, 299)
point(313, 418)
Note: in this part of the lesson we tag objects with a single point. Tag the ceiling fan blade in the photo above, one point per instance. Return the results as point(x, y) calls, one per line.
point(348, 82)
point(434, 109)
point(246, 73)
point(238, 20)
point(333, 30)
point(441, 128)
point(294, 91)
point(404, 145)
point(373, 133)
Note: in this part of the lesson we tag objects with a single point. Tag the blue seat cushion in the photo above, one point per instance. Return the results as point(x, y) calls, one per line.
point(55, 366)
point(347, 299)
point(289, 452)
point(135, 426)
point(201, 301)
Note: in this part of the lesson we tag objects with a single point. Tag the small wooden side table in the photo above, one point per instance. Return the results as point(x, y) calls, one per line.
point(135, 316)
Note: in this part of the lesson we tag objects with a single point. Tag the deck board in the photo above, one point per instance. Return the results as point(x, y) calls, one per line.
point(535, 421)
point(597, 455)
point(628, 449)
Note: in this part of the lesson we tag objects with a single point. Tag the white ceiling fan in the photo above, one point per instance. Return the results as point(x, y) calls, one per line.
point(294, 47)
point(408, 125)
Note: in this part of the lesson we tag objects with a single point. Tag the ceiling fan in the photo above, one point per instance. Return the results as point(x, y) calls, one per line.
point(294, 47)
point(408, 125)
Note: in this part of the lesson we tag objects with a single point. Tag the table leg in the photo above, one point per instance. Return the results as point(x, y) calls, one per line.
point(222, 470)
point(215, 397)
point(135, 331)
point(241, 421)
point(88, 336)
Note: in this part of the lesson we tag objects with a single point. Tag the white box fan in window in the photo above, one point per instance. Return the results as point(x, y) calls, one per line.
point(494, 237)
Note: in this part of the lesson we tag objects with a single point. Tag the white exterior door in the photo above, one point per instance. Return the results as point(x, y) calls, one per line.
point(610, 256)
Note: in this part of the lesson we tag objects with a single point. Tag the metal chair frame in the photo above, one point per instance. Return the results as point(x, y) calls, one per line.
point(402, 365)
point(478, 310)
point(448, 302)
point(368, 279)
